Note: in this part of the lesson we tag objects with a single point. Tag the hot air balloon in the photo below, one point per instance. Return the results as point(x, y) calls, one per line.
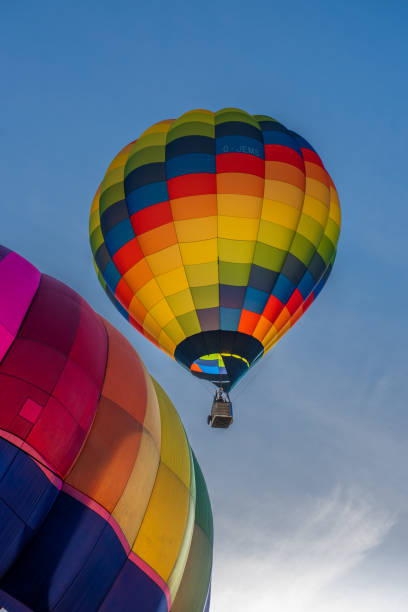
point(212, 234)
point(102, 503)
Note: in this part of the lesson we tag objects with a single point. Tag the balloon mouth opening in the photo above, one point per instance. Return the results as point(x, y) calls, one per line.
point(207, 354)
point(217, 367)
point(214, 363)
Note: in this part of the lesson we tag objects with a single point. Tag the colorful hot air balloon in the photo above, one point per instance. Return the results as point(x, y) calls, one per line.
point(102, 503)
point(212, 234)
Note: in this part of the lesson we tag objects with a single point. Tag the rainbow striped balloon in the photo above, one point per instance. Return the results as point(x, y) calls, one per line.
point(212, 234)
point(102, 503)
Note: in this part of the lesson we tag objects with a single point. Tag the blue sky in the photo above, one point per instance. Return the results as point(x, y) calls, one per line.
point(311, 499)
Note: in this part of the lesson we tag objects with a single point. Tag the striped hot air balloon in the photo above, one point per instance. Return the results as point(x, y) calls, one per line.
point(212, 234)
point(102, 503)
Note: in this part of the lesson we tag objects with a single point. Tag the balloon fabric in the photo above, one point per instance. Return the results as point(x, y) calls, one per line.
point(212, 234)
point(102, 502)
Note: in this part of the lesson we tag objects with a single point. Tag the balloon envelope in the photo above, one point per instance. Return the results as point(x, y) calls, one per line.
point(212, 234)
point(102, 503)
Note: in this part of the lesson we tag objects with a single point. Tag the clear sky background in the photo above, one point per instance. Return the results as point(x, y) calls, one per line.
point(310, 486)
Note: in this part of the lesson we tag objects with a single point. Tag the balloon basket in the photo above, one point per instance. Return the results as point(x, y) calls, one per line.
point(221, 411)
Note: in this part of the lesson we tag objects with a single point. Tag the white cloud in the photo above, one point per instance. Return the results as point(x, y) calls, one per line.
point(288, 563)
